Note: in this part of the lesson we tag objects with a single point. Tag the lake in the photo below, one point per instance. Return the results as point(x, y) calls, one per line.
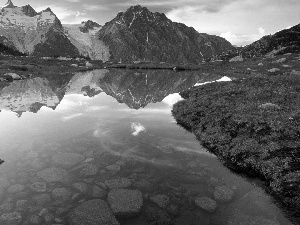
point(103, 146)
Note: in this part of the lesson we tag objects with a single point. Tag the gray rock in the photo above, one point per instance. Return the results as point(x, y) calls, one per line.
point(89, 170)
point(295, 72)
point(125, 202)
point(80, 186)
point(53, 174)
point(273, 70)
point(118, 183)
point(62, 194)
point(93, 212)
point(39, 187)
point(282, 60)
point(15, 188)
point(206, 203)
point(97, 192)
point(223, 193)
point(161, 201)
point(237, 59)
point(41, 199)
point(11, 218)
point(269, 106)
point(67, 160)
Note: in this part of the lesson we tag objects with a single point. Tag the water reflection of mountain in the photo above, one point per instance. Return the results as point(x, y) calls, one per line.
point(138, 88)
point(134, 88)
point(31, 94)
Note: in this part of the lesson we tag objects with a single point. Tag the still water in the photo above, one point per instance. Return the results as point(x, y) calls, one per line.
point(68, 141)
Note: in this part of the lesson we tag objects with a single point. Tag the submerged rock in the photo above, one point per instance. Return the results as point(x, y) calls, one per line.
point(223, 193)
point(62, 194)
point(80, 186)
point(11, 218)
point(15, 188)
point(53, 174)
point(125, 202)
point(39, 186)
point(118, 183)
point(89, 170)
point(93, 212)
point(206, 203)
point(161, 200)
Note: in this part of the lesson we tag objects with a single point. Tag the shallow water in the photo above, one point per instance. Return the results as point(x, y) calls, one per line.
point(64, 139)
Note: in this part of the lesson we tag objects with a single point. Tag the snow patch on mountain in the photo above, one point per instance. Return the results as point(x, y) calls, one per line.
point(87, 43)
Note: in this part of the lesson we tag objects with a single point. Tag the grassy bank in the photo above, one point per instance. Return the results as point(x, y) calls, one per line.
point(253, 126)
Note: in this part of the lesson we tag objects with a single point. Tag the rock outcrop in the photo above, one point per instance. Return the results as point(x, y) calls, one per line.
point(285, 41)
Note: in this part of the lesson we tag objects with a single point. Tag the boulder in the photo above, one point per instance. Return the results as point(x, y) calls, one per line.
point(125, 203)
point(282, 60)
point(237, 59)
point(67, 160)
point(13, 76)
point(93, 212)
point(206, 203)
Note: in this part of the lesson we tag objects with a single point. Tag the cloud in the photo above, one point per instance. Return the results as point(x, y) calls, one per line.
point(261, 31)
point(90, 7)
point(241, 39)
point(96, 108)
point(66, 118)
point(137, 128)
point(72, 1)
point(172, 99)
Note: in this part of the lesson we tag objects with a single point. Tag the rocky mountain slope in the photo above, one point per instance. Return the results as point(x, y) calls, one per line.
point(33, 33)
point(139, 34)
point(285, 41)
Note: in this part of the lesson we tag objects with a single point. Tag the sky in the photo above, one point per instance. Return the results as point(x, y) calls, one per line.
point(239, 21)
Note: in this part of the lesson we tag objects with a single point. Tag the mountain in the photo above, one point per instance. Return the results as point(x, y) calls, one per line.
point(39, 34)
point(285, 41)
point(139, 34)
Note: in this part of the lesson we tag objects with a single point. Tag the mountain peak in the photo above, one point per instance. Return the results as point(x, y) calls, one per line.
point(29, 11)
point(9, 4)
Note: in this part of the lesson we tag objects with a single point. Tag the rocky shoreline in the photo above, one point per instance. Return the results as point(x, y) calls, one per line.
point(253, 126)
